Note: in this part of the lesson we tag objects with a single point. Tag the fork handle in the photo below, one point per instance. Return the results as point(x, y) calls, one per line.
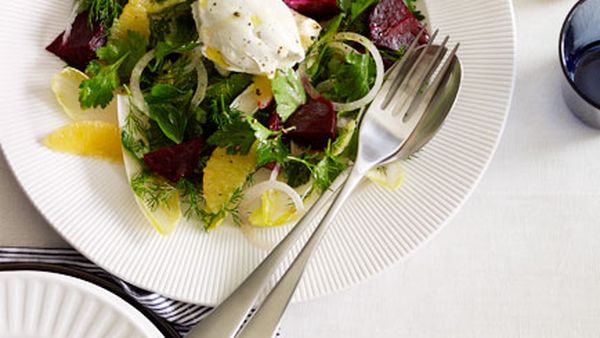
point(266, 319)
point(225, 320)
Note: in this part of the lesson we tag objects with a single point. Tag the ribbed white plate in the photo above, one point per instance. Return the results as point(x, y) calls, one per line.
point(89, 203)
point(47, 305)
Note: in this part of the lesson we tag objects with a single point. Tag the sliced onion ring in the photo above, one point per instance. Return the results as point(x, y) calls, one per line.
point(138, 69)
point(202, 77)
point(337, 44)
point(380, 71)
point(253, 194)
point(256, 191)
point(137, 98)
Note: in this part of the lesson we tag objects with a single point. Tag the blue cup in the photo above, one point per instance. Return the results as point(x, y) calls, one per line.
point(580, 60)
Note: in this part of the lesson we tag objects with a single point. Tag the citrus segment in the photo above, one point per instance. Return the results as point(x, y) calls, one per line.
point(224, 174)
point(87, 138)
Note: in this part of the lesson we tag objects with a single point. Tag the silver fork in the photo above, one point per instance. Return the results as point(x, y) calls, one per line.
point(385, 128)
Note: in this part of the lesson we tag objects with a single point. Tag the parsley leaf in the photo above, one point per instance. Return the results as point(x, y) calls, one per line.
point(288, 92)
point(98, 90)
point(323, 171)
point(116, 60)
point(327, 170)
point(270, 146)
point(237, 135)
point(134, 46)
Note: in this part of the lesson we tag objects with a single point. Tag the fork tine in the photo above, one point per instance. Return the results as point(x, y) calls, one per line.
point(421, 81)
point(399, 78)
point(415, 82)
point(430, 91)
point(406, 80)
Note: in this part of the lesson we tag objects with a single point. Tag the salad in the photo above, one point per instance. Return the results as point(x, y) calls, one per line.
point(240, 109)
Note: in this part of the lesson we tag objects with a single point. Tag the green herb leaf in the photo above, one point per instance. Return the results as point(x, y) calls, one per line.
point(98, 90)
point(116, 60)
point(272, 150)
point(354, 78)
point(153, 190)
point(358, 7)
point(228, 89)
point(296, 173)
point(288, 92)
point(174, 25)
point(133, 135)
point(134, 46)
point(103, 11)
point(171, 120)
point(327, 170)
point(237, 137)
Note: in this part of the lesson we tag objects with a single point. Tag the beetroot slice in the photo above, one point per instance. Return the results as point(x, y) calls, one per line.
point(314, 123)
point(394, 26)
point(176, 161)
point(80, 47)
point(317, 9)
point(274, 122)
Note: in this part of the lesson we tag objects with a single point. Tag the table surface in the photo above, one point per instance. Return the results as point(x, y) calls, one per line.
point(519, 260)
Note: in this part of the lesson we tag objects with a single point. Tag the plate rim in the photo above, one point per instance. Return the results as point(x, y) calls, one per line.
point(84, 277)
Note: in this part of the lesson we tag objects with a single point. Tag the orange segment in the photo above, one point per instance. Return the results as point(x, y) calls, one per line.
point(87, 138)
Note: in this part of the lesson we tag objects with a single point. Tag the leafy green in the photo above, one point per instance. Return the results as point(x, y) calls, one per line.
point(296, 173)
point(270, 146)
point(164, 49)
point(103, 11)
point(228, 88)
point(116, 60)
point(133, 46)
point(98, 90)
point(236, 135)
point(174, 25)
point(288, 92)
point(327, 170)
point(168, 107)
point(324, 169)
point(354, 77)
point(358, 7)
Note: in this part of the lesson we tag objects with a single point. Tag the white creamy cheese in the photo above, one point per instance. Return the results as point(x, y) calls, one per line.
point(250, 36)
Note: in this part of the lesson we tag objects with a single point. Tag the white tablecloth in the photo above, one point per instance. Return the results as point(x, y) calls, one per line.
point(522, 259)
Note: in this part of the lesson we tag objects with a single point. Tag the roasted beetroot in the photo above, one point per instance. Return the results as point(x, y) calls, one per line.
point(176, 161)
point(79, 48)
point(314, 123)
point(274, 122)
point(393, 25)
point(317, 9)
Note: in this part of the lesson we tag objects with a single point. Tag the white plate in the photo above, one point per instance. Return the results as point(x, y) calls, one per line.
point(46, 305)
point(90, 205)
